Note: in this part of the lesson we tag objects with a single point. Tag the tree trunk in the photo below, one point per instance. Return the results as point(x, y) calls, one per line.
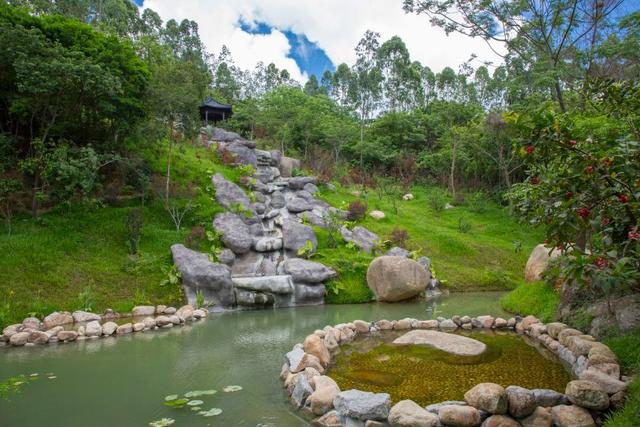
point(166, 193)
point(452, 179)
point(34, 195)
point(559, 96)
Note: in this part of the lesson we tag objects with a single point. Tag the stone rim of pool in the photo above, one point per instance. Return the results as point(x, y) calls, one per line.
point(596, 386)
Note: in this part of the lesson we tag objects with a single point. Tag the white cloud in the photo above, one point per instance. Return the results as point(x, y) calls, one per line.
point(335, 25)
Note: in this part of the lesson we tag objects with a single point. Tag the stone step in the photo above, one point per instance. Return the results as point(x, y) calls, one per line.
point(282, 284)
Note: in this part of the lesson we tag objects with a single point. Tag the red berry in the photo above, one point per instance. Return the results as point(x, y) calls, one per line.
point(573, 142)
point(600, 262)
point(607, 162)
point(583, 212)
point(605, 221)
point(589, 169)
point(623, 198)
point(569, 195)
point(530, 149)
point(535, 180)
point(634, 234)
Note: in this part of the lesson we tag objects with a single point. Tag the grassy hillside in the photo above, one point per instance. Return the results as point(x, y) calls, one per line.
point(74, 257)
point(473, 246)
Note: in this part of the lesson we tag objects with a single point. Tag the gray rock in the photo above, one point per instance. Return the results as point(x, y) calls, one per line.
point(125, 328)
point(330, 186)
point(435, 408)
point(110, 327)
point(67, 336)
point(301, 390)
point(243, 155)
point(235, 232)
point(308, 271)
point(571, 416)
point(450, 343)
point(84, 316)
point(294, 358)
point(397, 251)
point(488, 397)
point(298, 182)
point(93, 329)
point(312, 218)
point(407, 413)
point(361, 237)
point(19, 338)
point(226, 256)
point(522, 402)
point(268, 244)
point(247, 298)
point(38, 337)
point(229, 194)
point(275, 158)
point(298, 204)
point(393, 278)
point(311, 188)
point(143, 310)
point(32, 323)
point(218, 134)
point(425, 262)
point(287, 165)
point(277, 200)
point(273, 284)
point(547, 398)
point(57, 319)
point(587, 394)
point(363, 405)
point(198, 273)
point(295, 235)
point(309, 295)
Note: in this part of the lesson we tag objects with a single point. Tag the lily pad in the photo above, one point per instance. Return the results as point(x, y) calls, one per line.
point(52, 377)
point(209, 392)
point(178, 403)
point(195, 402)
point(231, 388)
point(162, 422)
point(196, 408)
point(170, 397)
point(211, 412)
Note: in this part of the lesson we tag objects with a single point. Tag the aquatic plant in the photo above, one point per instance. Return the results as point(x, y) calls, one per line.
point(162, 422)
point(231, 388)
point(211, 412)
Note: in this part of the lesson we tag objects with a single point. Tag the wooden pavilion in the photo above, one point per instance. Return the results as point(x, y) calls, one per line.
point(212, 110)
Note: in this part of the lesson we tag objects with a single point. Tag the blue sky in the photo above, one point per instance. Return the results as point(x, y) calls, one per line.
point(310, 58)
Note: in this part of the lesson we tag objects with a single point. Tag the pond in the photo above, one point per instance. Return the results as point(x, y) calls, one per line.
point(123, 381)
point(426, 375)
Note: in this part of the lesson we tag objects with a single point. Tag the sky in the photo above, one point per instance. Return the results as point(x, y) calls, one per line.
point(309, 36)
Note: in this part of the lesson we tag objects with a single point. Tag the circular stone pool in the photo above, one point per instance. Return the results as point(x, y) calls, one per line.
point(426, 375)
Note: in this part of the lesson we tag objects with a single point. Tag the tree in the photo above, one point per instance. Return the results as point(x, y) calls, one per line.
point(311, 87)
point(366, 84)
point(552, 30)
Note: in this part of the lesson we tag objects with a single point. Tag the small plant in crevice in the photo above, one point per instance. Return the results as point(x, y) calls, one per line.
point(173, 276)
point(240, 209)
point(85, 299)
point(332, 224)
point(134, 222)
point(200, 302)
point(140, 297)
point(307, 250)
point(246, 170)
point(215, 248)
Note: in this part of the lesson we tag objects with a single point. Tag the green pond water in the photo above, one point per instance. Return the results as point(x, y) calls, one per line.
point(426, 375)
point(123, 381)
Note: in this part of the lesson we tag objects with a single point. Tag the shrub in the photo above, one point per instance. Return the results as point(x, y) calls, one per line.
point(437, 202)
point(133, 223)
point(332, 224)
point(458, 199)
point(195, 237)
point(356, 210)
point(399, 237)
point(477, 202)
point(464, 226)
point(85, 299)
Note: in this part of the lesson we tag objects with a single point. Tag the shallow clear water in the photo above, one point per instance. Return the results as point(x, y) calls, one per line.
point(427, 375)
point(123, 381)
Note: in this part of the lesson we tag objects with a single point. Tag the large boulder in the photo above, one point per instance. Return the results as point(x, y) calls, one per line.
point(522, 402)
point(459, 416)
point(313, 344)
point(489, 397)
point(321, 400)
point(235, 232)
point(363, 405)
point(198, 273)
point(295, 235)
point(298, 204)
point(408, 413)
point(229, 194)
point(450, 343)
point(308, 271)
point(587, 394)
point(538, 262)
point(242, 154)
point(571, 416)
point(393, 278)
point(361, 237)
point(287, 165)
point(57, 318)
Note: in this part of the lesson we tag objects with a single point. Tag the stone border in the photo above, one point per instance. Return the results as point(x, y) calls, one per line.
point(598, 387)
point(80, 325)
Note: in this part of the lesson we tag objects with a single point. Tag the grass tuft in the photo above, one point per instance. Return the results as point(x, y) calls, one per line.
point(538, 299)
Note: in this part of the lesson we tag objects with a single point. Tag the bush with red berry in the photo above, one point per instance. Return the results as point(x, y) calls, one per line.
point(583, 187)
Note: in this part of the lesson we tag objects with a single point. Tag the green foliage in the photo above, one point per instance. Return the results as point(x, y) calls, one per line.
point(240, 209)
point(306, 251)
point(538, 299)
point(200, 302)
point(437, 202)
point(133, 224)
point(464, 226)
point(626, 347)
point(582, 188)
point(173, 276)
point(246, 170)
point(85, 299)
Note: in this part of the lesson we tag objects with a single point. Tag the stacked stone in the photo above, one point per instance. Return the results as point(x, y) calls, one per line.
point(80, 325)
point(598, 388)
